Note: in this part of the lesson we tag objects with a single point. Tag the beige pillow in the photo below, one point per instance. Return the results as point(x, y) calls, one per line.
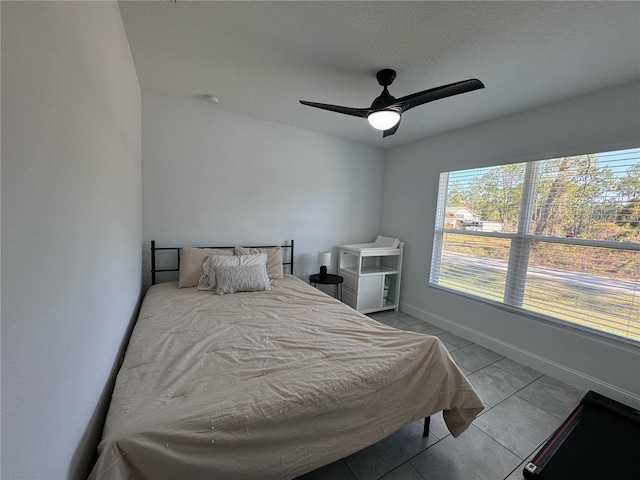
point(274, 259)
point(191, 260)
point(208, 279)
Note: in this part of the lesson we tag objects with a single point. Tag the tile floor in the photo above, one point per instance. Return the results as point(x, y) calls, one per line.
point(524, 407)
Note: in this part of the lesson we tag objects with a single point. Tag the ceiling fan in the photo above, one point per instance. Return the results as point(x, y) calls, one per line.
point(385, 111)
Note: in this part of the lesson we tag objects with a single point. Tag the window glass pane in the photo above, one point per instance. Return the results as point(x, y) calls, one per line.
point(591, 286)
point(595, 196)
point(476, 265)
point(485, 199)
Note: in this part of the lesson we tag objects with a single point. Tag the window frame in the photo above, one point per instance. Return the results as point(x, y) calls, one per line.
point(518, 263)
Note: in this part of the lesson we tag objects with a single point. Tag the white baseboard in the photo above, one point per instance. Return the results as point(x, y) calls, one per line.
point(544, 365)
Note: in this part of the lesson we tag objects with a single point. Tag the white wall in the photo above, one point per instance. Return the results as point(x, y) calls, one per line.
point(600, 122)
point(71, 228)
point(216, 178)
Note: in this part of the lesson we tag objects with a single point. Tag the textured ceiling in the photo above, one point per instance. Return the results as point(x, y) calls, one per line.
point(259, 58)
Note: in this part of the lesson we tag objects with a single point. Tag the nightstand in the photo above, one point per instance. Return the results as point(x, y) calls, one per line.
point(328, 279)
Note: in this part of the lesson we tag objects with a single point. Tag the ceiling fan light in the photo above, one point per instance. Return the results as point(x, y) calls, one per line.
point(384, 119)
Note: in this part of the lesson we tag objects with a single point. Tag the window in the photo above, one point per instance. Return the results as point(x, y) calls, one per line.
point(559, 238)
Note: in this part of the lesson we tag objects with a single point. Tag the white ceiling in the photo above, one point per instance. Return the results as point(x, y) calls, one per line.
point(259, 58)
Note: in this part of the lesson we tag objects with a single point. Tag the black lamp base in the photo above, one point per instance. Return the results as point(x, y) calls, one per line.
point(323, 271)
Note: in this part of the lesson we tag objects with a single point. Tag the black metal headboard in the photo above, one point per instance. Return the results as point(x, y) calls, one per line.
point(176, 250)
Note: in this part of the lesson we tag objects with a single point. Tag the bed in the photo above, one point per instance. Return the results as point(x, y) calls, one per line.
point(267, 384)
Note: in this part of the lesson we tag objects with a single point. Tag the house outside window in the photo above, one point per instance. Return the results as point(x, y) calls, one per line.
point(558, 239)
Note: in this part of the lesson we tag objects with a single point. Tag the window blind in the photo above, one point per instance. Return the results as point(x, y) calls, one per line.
point(559, 238)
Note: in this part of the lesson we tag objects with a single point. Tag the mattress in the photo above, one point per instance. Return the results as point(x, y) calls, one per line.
point(267, 385)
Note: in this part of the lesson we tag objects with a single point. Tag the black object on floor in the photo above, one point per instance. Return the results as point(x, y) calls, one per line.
point(599, 440)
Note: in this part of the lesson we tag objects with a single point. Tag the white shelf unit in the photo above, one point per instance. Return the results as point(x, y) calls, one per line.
point(371, 277)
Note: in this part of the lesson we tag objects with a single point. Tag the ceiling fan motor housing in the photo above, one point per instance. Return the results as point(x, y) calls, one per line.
point(385, 78)
point(383, 101)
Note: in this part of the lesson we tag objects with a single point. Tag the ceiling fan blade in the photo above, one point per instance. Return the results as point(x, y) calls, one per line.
point(356, 112)
point(437, 93)
point(392, 130)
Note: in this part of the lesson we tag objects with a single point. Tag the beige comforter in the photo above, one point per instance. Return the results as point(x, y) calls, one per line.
point(267, 385)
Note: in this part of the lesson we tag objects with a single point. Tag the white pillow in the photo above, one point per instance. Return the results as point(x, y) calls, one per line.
point(208, 279)
point(242, 278)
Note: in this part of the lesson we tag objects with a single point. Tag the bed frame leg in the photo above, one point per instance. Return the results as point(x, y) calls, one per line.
point(427, 422)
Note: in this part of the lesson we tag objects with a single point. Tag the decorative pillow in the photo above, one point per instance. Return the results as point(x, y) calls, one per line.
point(242, 278)
point(191, 260)
point(208, 279)
point(274, 259)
